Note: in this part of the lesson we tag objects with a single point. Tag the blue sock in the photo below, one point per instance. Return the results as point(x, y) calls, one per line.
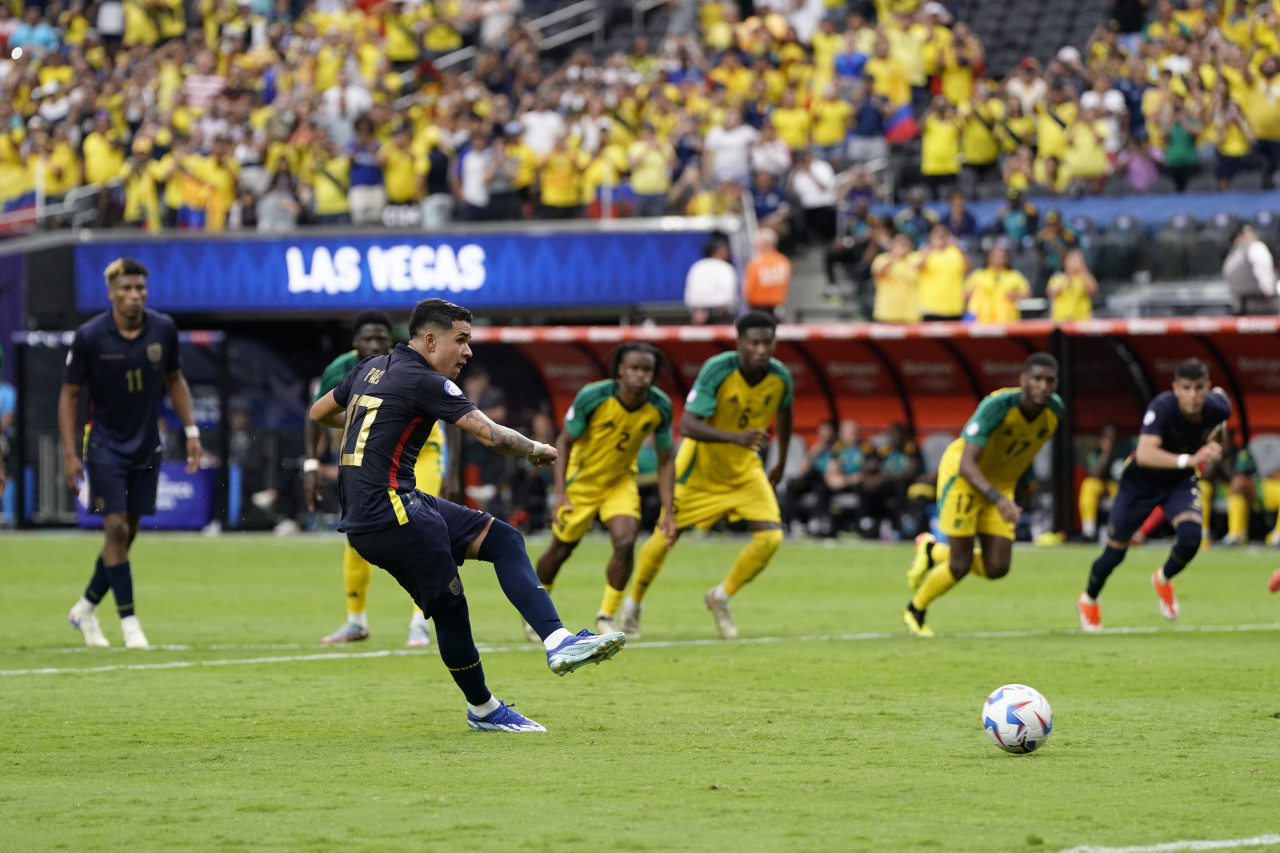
point(98, 584)
point(1102, 569)
point(504, 547)
point(1184, 548)
point(121, 586)
point(458, 650)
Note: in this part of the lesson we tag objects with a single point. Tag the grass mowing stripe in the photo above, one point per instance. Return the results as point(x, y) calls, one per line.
point(1175, 846)
point(660, 644)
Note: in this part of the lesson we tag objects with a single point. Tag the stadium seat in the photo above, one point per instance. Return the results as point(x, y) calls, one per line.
point(1162, 185)
point(1247, 182)
point(1202, 182)
point(1029, 263)
point(1171, 257)
point(990, 191)
point(1117, 186)
point(932, 448)
point(1117, 252)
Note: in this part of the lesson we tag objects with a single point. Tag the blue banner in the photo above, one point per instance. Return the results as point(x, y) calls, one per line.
point(296, 272)
point(183, 501)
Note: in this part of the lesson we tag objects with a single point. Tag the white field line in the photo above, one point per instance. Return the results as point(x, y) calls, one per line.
point(527, 647)
point(1174, 846)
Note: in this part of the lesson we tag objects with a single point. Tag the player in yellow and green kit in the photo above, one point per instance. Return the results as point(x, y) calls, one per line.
point(603, 432)
point(719, 471)
point(976, 481)
point(371, 335)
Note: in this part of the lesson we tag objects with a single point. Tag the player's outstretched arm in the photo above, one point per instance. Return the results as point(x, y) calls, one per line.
point(692, 426)
point(180, 397)
point(327, 412)
point(784, 444)
point(1150, 454)
point(68, 408)
point(505, 440)
point(667, 492)
point(564, 442)
point(969, 469)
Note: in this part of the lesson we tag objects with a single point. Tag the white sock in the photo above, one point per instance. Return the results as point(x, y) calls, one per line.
point(419, 618)
point(1087, 598)
point(130, 622)
point(720, 595)
point(629, 605)
point(361, 619)
point(1089, 529)
point(556, 638)
point(486, 709)
point(85, 606)
point(1160, 575)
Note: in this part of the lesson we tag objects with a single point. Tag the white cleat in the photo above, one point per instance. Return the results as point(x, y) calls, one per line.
point(530, 634)
point(720, 610)
point(133, 636)
point(86, 622)
point(629, 618)
point(419, 634)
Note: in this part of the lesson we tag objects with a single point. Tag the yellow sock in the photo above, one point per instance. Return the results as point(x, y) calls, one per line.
point(1206, 501)
point(1238, 516)
point(652, 555)
point(1091, 489)
point(355, 577)
point(936, 583)
point(940, 554)
point(612, 598)
point(977, 567)
point(752, 559)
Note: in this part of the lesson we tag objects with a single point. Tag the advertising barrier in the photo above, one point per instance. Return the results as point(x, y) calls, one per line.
point(183, 501)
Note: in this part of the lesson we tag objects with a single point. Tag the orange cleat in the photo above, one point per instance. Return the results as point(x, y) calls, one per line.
point(1090, 615)
point(1164, 593)
point(1274, 586)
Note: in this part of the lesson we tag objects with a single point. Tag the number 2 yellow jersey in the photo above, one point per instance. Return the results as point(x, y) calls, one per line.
point(607, 435)
point(1008, 439)
point(725, 400)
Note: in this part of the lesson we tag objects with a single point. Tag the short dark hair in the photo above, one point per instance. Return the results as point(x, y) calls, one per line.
point(371, 315)
point(717, 241)
point(1191, 368)
point(440, 313)
point(755, 320)
point(1040, 359)
point(125, 266)
point(660, 364)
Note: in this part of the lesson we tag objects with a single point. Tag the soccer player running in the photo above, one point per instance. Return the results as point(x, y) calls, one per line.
point(392, 403)
point(1175, 440)
point(976, 481)
point(371, 335)
point(719, 471)
point(128, 358)
point(603, 432)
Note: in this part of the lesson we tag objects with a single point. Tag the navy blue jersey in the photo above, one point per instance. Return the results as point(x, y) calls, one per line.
point(1177, 435)
point(392, 403)
point(125, 381)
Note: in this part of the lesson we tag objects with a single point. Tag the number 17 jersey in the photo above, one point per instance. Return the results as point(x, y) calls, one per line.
point(392, 403)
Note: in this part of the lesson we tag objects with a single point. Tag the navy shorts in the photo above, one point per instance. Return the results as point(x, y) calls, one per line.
point(424, 554)
point(116, 485)
point(1133, 503)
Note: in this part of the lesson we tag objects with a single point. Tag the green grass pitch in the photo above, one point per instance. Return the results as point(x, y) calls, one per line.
point(824, 728)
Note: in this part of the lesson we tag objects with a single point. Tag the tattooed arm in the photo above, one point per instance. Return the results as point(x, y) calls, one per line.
point(505, 440)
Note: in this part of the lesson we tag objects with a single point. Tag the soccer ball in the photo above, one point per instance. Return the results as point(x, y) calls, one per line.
point(1017, 718)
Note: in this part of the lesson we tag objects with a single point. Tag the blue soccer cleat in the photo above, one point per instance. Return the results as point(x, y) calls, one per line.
point(583, 649)
point(502, 719)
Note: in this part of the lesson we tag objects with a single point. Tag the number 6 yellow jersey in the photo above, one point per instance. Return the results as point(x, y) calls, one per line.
point(724, 399)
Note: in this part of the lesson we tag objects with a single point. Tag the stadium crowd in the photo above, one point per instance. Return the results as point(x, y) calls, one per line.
point(222, 114)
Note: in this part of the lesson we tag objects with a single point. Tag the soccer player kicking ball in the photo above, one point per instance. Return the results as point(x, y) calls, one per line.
point(719, 472)
point(976, 481)
point(371, 335)
point(128, 359)
point(392, 402)
point(1175, 440)
point(602, 435)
